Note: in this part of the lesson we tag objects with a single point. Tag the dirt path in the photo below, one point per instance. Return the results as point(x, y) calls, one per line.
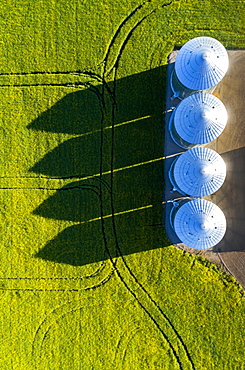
point(231, 145)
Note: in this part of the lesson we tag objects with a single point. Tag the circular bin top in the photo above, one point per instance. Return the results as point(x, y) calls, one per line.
point(199, 172)
point(199, 224)
point(200, 118)
point(201, 63)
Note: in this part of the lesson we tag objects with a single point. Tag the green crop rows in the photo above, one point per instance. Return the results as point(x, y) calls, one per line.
point(88, 278)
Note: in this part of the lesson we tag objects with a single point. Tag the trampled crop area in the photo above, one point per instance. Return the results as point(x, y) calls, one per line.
point(88, 278)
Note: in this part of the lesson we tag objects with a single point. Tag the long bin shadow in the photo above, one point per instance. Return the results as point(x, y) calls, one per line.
point(137, 165)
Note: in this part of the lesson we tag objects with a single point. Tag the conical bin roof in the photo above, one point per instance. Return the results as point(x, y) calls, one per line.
point(201, 63)
point(200, 118)
point(199, 224)
point(199, 172)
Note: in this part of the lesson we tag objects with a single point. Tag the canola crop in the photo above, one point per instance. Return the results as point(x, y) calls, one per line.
point(88, 277)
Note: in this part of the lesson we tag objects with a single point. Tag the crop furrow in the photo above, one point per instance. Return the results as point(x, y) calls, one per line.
point(118, 30)
point(91, 287)
point(119, 40)
point(175, 335)
point(95, 273)
point(44, 327)
point(66, 84)
point(84, 72)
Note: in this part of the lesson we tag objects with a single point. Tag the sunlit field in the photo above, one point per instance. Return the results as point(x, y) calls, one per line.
point(89, 280)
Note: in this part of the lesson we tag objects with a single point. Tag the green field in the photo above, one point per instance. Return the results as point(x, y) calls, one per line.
point(89, 280)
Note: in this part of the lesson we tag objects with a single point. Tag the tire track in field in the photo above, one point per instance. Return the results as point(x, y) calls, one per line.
point(128, 278)
point(127, 341)
point(93, 286)
point(122, 278)
point(40, 278)
point(97, 189)
point(48, 321)
point(84, 187)
point(84, 73)
point(45, 326)
point(57, 313)
point(100, 273)
point(124, 273)
point(50, 326)
point(125, 30)
point(78, 84)
point(132, 326)
point(74, 85)
point(75, 177)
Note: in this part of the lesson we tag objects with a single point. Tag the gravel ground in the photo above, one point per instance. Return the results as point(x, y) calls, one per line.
point(230, 252)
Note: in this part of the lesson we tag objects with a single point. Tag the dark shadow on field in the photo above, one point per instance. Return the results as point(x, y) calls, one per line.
point(76, 245)
point(231, 199)
point(80, 156)
point(71, 115)
point(71, 158)
point(79, 112)
point(83, 244)
point(137, 177)
point(78, 201)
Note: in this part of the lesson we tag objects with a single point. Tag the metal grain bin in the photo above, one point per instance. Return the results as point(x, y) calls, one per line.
point(198, 223)
point(197, 120)
point(200, 65)
point(198, 172)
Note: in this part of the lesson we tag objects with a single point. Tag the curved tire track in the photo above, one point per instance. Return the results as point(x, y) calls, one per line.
point(125, 30)
point(127, 277)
